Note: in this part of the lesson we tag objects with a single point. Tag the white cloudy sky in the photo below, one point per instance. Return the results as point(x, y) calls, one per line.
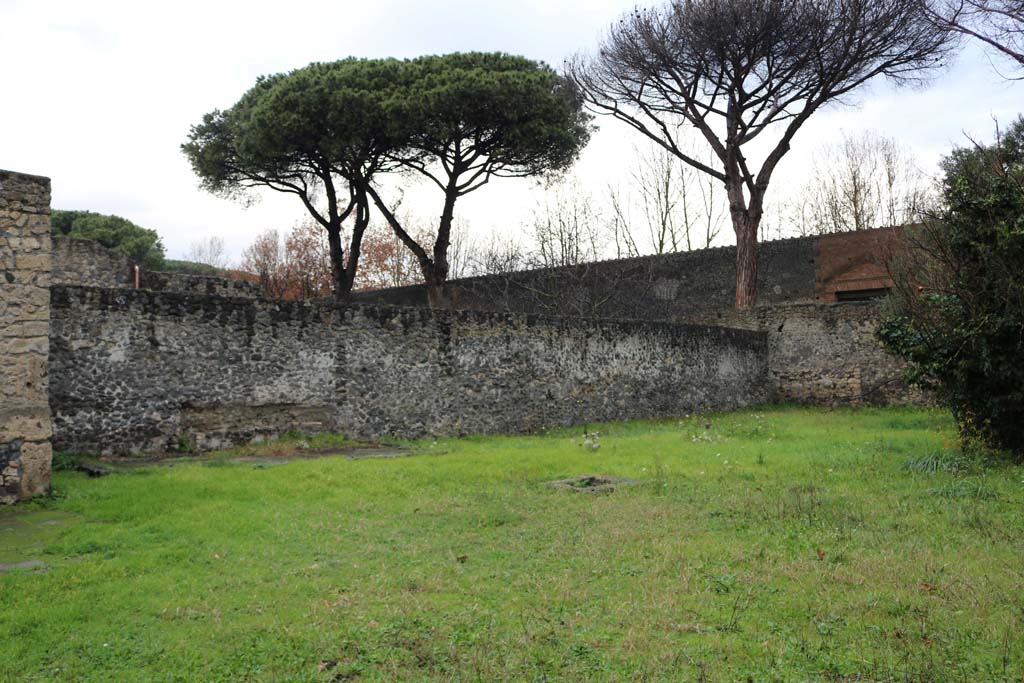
point(99, 94)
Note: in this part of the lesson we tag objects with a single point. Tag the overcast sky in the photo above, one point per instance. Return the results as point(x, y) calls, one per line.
point(98, 95)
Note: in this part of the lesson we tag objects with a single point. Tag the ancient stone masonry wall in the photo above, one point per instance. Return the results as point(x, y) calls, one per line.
point(826, 354)
point(78, 261)
point(198, 284)
point(819, 352)
point(147, 371)
point(661, 287)
point(25, 263)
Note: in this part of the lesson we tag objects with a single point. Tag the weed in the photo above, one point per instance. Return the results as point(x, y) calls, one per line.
point(938, 461)
point(978, 489)
point(65, 462)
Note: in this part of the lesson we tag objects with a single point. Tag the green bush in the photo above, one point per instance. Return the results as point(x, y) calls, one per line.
point(958, 309)
point(191, 268)
point(139, 244)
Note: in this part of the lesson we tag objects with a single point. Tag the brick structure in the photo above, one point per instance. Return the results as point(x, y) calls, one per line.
point(851, 266)
point(25, 264)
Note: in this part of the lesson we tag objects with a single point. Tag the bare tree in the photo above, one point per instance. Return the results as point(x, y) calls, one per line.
point(461, 248)
point(862, 182)
point(566, 228)
point(999, 24)
point(734, 69)
point(209, 251)
point(621, 224)
point(659, 181)
point(681, 206)
point(501, 255)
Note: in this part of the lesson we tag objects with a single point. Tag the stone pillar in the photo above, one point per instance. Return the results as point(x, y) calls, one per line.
point(25, 265)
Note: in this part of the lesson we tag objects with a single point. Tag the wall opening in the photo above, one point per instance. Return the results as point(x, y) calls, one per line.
point(863, 294)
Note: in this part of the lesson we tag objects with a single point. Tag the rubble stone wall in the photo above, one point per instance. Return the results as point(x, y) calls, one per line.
point(136, 370)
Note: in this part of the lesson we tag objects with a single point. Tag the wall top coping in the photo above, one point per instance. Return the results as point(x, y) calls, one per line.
point(724, 252)
point(27, 177)
point(119, 298)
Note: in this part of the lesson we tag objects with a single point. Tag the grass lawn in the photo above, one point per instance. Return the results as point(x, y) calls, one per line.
point(779, 544)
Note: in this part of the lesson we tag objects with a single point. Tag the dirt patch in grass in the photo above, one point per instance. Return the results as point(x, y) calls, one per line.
point(279, 454)
point(25, 532)
point(349, 453)
point(591, 483)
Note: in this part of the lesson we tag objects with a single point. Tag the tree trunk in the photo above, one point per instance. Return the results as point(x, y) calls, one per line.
point(439, 294)
point(436, 276)
point(746, 262)
point(339, 282)
point(355, 244)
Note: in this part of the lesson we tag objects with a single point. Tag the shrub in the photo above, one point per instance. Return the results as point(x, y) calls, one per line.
point(958, 309)
point(139, 244)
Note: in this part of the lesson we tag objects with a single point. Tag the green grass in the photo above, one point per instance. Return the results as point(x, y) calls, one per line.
point(774, 545)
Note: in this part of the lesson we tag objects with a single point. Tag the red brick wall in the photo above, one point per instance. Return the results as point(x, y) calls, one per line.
point(852, 261)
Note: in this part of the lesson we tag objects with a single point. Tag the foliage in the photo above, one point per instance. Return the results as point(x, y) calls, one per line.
point(190, 268)
point(827, 562)
point(958, 313)
point(137, 243)
point(316, 132)
point(490, 114)
point(387, 262)
point(329, 130)
point(471, 117)
point(292, 130)
point(297, 267)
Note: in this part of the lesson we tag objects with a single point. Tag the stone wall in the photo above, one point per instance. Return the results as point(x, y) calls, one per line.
point(78, 261)
point(816, 269)
point(146, 371)
point(160, 281)
point(826, 354)
point(25, 263)
point(661, 287)
point(820, 350)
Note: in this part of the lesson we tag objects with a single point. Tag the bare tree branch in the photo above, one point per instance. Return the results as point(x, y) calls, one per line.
point(737, 69)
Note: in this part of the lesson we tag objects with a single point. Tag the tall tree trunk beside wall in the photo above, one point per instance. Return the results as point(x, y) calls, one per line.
point(746, 266)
